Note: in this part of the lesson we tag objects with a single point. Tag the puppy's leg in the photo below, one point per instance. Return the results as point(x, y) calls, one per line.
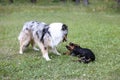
point(67, 53)
point(54, 50)
point(33, 45)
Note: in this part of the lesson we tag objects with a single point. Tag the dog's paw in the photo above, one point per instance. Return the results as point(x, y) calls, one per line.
point(36, 49)
point(58, 54)
point(46, 57)
point(20, 52)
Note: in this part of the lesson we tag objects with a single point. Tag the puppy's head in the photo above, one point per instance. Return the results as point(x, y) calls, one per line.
point(69, 47)
point(72, 46)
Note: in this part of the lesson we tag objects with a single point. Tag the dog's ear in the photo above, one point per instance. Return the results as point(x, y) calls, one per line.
point(72, 44)
point(64, 27)
point(67, 47)
point(76, 45)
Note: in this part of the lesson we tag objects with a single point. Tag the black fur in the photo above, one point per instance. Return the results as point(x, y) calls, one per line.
point(85, 55)
point(44, 31)
point(65, 27)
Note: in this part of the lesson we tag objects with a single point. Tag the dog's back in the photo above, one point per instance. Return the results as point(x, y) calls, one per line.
point(30, 27)
point(26, 35)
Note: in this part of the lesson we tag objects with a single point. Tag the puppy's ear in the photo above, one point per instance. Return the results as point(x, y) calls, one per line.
point(71, 43)
point(77, 45)
point(68, 47)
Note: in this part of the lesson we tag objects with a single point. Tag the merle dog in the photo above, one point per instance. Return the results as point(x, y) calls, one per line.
point(85, 55)
point(45, 36)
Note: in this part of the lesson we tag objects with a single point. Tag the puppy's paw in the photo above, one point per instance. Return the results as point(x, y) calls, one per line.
point(66, 53)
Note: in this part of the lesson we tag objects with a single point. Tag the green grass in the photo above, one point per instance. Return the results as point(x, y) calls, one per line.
point(97, 29)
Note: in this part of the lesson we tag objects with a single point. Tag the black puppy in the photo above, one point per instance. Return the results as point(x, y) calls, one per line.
point(85, 55)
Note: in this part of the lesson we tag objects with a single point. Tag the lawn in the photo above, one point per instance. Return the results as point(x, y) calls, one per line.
point(94, 26)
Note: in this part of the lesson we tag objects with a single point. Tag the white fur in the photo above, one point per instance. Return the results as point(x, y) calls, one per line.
point(56, 33)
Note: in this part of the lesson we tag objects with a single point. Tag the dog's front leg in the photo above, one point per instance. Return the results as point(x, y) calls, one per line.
point(45, 55)
point(54, 50)
point(44, 51)
point(21, 50)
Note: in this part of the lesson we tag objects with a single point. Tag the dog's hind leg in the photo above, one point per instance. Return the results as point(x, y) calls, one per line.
point(21, 49)
point(36, 49)
point(23, 45)
point(54, 50)
point(24, 42)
